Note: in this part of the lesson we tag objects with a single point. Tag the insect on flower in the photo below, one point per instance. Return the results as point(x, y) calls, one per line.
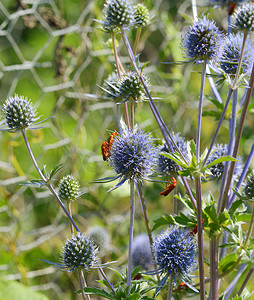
point(231, 8)
point(106, 146)
point(195, 229)
point(170, 188)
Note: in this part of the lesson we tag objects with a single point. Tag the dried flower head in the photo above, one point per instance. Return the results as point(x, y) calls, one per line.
point(249, 186)
point(141, 252)
point(78, 252)
point(244, 17)
point(133, 154)
point(167, 166)
point(131, 87)
point(118, 13)
point(19, 113)
point(175, 252)
point(68, 188)
point(141, 15)
point(203, 40)
point(231, 54)
point(218, 151)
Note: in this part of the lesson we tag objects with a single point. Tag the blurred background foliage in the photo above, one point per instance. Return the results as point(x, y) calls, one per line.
point(53, 53)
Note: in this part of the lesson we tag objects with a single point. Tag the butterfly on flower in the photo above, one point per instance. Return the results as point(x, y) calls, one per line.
point(172, 185)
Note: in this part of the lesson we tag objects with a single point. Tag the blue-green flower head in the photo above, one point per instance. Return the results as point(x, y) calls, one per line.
point(167, 166)
point(68, 188)
point(231, 54)
point(141, 252)
point(141, 15)
point(219, 150)
point(19, 113)
point(133, 154)
point(78, 252)
point(249, 186)
point(175, 251)
point(118, 13)
point(244, 18)
point(203, 40)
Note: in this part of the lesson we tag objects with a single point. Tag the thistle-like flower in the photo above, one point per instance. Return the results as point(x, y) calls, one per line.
point(231, 54)
point(19, 113)
point(141, 15)
point(203, 40)
point(118, 13)
point(100, 238)
point(167, 166)
point(249, 186)
point(244, 18)
point(133, 155)
point(218, 151)
point(175, 251)
point(78, 252)
point(68, 188)
point(141, 252)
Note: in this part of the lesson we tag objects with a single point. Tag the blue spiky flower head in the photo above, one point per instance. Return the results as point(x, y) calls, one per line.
point(19, 113)
point(68, 188)
point(118, 13)
point(141, 252)
point(231, 54)
point(219, 150)
point(78, 252)
point(249, 186)
point(175, 251)
point(166, 165)
point(133, 154)
point(244, 18)
point(203, 40)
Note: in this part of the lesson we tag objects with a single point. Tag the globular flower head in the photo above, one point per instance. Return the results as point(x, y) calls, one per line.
point(141, 252)
point(133, 154)
point(131, 87)
point(231, 54)
point(68, 188)
point(100, 238)
point(249, 186)
point(203, 40)
point(244, 17)
point(175, 251)
point(78, 252)
point(118, 13)
point(141, 15)
point(19, 113)
point(167, 166)
point(218, 151)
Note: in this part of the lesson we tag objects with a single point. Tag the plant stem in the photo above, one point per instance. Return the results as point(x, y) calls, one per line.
point(214, 286)
point(132, 113)
point(147, 223)
point(200, 239)
point(83, 285)
point(69, 210)
point(132, 212)
point(106, 279)
point(170, 287)
point(137, 40)
point(250, 229)
point(245, 281)
point(237, 142)
point(48, 185)
point(200, 109)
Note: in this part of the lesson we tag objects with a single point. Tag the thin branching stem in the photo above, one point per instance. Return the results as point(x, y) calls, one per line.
point(69, 211)
point(249, 232)
point(132, 213)
point(247, 278)
point(170, 287)
point(137, 40)
point(83, 285)
point(214, 283)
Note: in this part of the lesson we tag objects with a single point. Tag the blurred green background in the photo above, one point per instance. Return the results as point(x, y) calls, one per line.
point(53, 53)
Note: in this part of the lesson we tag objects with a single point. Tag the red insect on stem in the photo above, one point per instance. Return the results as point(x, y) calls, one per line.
point(170, 188)
point(195, 229)
point(106, 146)
point(111, 139)
point(231, 8)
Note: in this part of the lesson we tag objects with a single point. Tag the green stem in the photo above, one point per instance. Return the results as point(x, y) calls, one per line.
point(214, 278)
point(132, 212)
point(83, 285)
point(170, 287)
point(250, 229)
point(245, 281)
point(69, 211)
point(137, 40)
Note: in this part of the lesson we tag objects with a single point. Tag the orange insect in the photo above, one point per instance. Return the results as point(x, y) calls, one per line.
point(170, 188)
point(195, 229)
point(106, 146)
point(231, 8)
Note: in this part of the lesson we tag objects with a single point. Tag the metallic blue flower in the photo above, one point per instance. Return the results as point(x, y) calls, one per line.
point(218, 151)
point(176, 252)
point(133, 154)
point(203, 40)
point(167, 166)
point(244, 17)
point(231, 54)
point(141, 252)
